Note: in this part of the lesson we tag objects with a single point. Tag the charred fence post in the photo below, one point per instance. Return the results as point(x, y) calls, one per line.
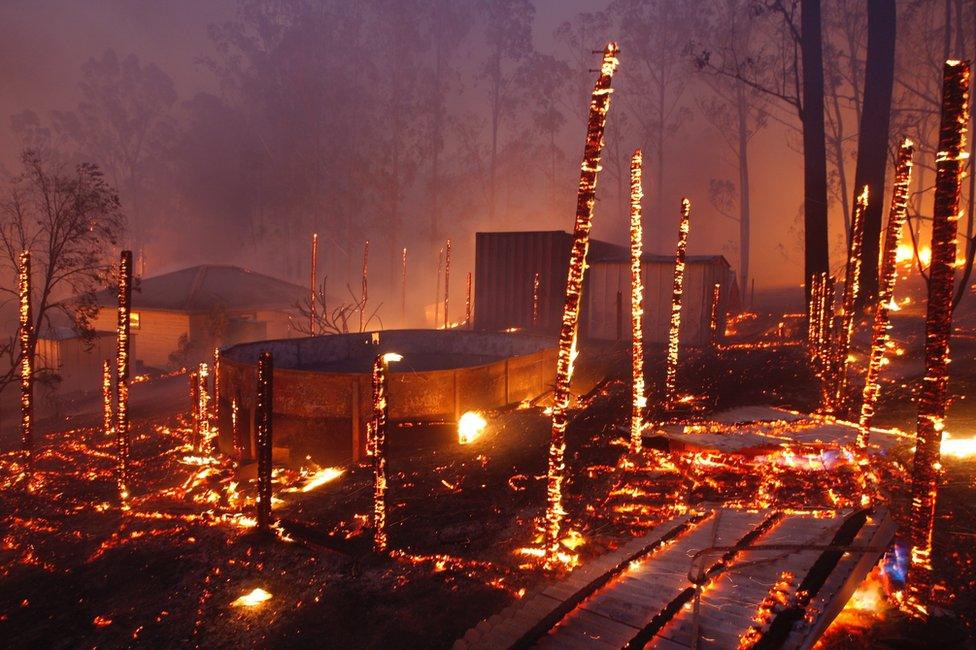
point(264, 414)
point(852, 273)
point(713, 312)
point(447, 281)
point(882, 317)
point(122, 372)
point(25, 337)
point(312, 284)
point(107, 414)
point(403, 286)
point(674, 331)
point(467, 304)
point(377, 444)
point(639, 400)
point(365, 288)
point(599, 104)
point(950, 164)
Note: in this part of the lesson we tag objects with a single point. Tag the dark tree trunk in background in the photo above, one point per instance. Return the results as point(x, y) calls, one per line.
point(743, 155)
point(872, 142)
point(815, 248)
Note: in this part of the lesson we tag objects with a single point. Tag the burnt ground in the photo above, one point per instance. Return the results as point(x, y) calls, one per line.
point(75, 571)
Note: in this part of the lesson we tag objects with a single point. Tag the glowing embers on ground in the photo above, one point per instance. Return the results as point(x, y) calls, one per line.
point(252, 599)
point(470, 427)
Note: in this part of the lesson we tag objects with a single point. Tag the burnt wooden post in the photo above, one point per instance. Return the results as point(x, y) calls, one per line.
point(590, 167)
point(638, 399)
point(377, 444)
point(25, 337)
point(950, 164)
point(265, 417)
point(122, 372)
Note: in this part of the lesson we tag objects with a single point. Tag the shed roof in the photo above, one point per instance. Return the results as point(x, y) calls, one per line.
point(205, 287)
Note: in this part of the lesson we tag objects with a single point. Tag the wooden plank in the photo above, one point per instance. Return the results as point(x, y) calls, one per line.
point(587, 626)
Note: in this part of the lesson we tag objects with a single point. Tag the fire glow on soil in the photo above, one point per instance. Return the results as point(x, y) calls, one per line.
point(464, 525)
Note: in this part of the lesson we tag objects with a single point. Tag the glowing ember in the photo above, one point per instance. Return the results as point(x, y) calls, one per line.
point(950, 163)
point(254, 598)
point(574, 287)
point(671, 373)
point(638, 399)
point(470, 427)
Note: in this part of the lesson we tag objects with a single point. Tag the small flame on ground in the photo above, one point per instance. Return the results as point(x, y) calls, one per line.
point(470, 427)
point(958, 447)
point(254, 598)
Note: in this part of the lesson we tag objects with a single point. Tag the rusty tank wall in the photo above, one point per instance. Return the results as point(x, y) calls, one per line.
point(323, 414)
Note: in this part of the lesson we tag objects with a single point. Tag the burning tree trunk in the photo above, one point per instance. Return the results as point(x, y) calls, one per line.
point(447, 281)
point(365, 294)
point(312, 283)
point(535, 300)
point(852, 283)
point(825, 339)
point(377, 444)
point(264, 414)
point(639, 401)
point(886, 290)
point(25, 337)
point(713, 316)
point(950, 163)
point(202, 406)
point(107, 414)
point(590, 167)
point(403, 286)
point(467, 303)
point(674, 333)
point(194, 379)
point(122, 373)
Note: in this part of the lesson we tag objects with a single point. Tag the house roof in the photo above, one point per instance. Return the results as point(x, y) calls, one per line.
point(205, 287)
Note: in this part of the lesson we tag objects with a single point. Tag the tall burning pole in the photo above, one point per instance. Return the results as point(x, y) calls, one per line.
point(639, 401)
point(381, 367)
point(852, 288)
point(599, 104)
point(122, 372)
point(264, 412)
point(950, 163)
point(107, 414)
point(713, 313)
point(365, 294)
point(312, 283)
point(437, 289)
point(674, 332)
point(25, 337)
point(403, 285)
point(447, 281)
point(536, 284)
point(886, 291)
point(467, 304)
point(202, 406)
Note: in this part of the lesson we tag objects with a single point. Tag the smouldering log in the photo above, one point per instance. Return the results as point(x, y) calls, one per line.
point(886, 290)
point(589, 169)
point(638, 399)
point(25, 337)
point(381, 366)
point(536, 283)
point(713, 316)
point(674, 332)
point(122, 372)
point(264, 415)
point(107, 414)
point(447, 281)
point(467, 303)
point(312, 284)
point(950, 164)
point(365, 294)
point(842, 351)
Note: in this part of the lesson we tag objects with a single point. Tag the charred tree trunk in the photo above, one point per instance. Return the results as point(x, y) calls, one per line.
point(950, 163)
point(26, 340)
point(744, 208)
point(264, 414)
point(816, 257)
point(590, 167)
point(872, 141)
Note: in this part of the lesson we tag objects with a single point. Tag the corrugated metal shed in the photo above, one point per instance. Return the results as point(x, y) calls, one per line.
point(608, 317)
point(505, 267)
